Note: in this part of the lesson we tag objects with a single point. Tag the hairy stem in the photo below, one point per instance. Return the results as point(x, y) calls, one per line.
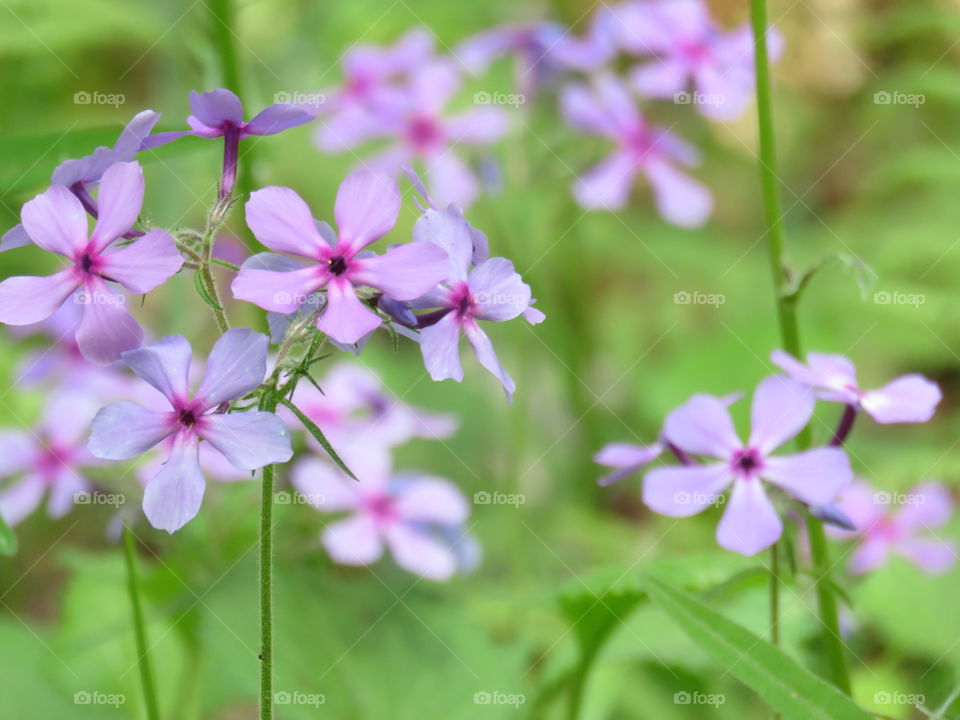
point(268, 403)
point(787, 319)
point(139, 630)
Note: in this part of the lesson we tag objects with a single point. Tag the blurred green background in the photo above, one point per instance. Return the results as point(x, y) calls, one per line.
point(876, 183)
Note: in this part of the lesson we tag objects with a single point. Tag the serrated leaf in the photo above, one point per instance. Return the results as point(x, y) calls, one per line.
point(789, 688)
point(318, 436)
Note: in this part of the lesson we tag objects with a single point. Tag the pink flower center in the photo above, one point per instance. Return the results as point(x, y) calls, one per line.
point(54, 459)
point(87, 263)
point(694, 53)
point(641, 143)
point(424, 133)
point(747, 463)
point(463, 302)
point(382, 508)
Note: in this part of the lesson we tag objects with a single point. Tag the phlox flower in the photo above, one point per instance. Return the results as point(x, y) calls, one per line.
point(906, 527)
point(56, 221)
point(411, 514)
point(48, 458)
point(249, 440)
point(490, 291)
point(417, 123)
point(366, 209)
point(368, 72)
point(355, 404)
point(691, 53)
point(81, 174)
point(219, 113)
point(703, 427)
point(606, 109)
point(907, 399)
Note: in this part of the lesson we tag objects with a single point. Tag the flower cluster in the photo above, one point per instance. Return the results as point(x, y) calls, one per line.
point(674, 48)
point(818, 479)
point(421, 519)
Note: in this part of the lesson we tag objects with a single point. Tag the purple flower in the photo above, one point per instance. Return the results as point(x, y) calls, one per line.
point(80, 175)
point(703, 427)
point(592, 51)
point(908, 399)
point(626, 458)
point(411, 515)
point(56, 221)
point(366, 209)
point(491, 291)
point(608, 110)
point(691, 52)
point(219, 113)
point(416, 121)
point(354, 403)
point(907, 530)
point(249, 440)
point(368, 70)
point(50, 457)
point(538, 48)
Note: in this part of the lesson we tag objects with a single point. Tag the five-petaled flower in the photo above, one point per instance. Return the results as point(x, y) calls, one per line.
point(56, 221)
point(690, 52)
point(50, 457)
point(366, 209)
point(897, 523)
point(703, 427)
point(409, 513)
point(907, 399)
point(492, 290)
point(607, 109)
point(249, 440)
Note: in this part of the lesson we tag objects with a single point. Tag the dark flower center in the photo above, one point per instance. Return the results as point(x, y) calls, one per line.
point(338, 266)
point(86, 262)
point(747, 462)
point(187, 418)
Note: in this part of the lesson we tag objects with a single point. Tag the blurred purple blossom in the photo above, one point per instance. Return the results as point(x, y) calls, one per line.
point(48, 457)
point(606, 109)
point(897, 523)
point(419, 518)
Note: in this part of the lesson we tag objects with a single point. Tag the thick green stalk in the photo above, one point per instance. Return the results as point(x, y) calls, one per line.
point(139, 630)
point(269, 404)
point(833, 649)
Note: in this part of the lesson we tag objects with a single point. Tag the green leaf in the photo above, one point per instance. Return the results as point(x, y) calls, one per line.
point(204, 293)
point(318, 435)
point(8, 540)
point(790, 689)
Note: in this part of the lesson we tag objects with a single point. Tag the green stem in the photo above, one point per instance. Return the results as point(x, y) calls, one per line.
point(789, 331)
point(775, 594)
point(269, 404)
point(139, 630)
